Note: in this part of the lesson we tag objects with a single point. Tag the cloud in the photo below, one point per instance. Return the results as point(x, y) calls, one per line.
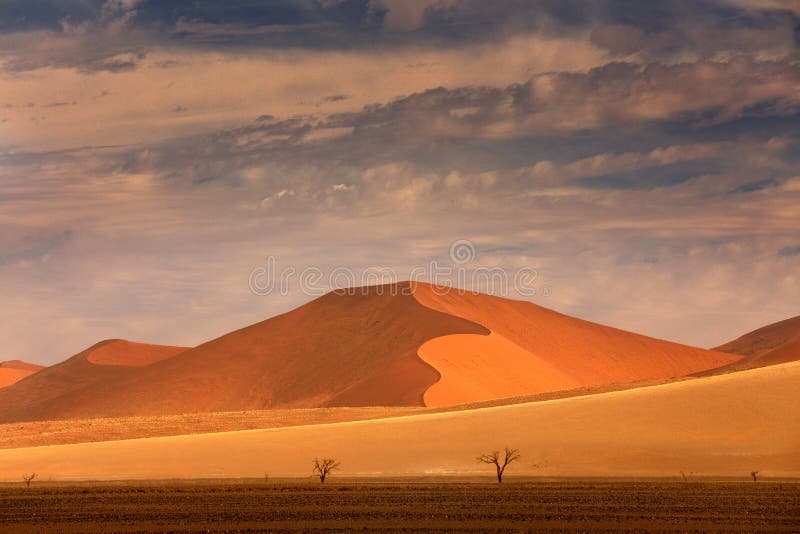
point(406, 15)
point(789, 251)
point(21, 249)
point(752, 187)
point(597, 142)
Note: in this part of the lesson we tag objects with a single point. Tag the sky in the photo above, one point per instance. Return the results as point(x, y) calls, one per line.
point(640, 157)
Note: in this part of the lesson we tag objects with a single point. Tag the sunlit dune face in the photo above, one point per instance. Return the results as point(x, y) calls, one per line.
point(12, 376)
point(475, 368)
point(534, 350)
point(13, 371)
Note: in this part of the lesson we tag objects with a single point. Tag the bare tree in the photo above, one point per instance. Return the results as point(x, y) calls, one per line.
point(28, 479)
point(754, 474)
point(500, 461)
point(323, 467)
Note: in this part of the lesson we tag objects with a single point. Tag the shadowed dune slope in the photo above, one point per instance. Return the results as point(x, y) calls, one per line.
point(55, 390)
point(770, 345)
point(356, 349)
point(764, 339)
point(535, 350)
point(13, 371)
point(724, 425)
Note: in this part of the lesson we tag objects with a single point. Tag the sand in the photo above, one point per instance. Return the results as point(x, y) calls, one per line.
point(130, 354)
point(535, 350)
point(770, 345)
point(12, 376)
point(356, 349)
point(764, 339)
point(476, 368)
point(375, 346)
point(12, 371)
point(725, 425)
point(59, 390)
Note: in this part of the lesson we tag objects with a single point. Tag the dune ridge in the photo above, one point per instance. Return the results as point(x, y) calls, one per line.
point(130, 354)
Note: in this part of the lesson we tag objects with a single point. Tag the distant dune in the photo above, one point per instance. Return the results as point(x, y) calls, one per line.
point(770, 345)
point(59, 391)
point(725, 425)
point(375, 346)
point(535, 350)
point(129, 354)
point(763, 340)
point(13, 371)
point(23, 366)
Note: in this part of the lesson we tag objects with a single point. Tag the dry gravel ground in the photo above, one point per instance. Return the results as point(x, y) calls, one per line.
point(345, 506)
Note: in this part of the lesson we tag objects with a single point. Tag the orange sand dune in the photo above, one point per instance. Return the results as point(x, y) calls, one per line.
point(725, 425)
point(13, 371)
point(773, 344)
point(19, 364)
point(764, 339)
point(374, 346)
point(562, 352)
point(788, 352)
point(357, 349)
point(12, 376)
point(58, 389)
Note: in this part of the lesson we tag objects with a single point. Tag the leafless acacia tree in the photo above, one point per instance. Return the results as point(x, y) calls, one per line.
point(323, 467)
point(28, 479)
point(754, 474)
point(500, 460)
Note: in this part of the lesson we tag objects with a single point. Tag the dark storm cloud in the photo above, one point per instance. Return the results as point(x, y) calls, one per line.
point(109, 29)
point(26, 15)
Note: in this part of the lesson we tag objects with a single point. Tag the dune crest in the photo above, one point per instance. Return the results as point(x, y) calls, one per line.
point(130, 354)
